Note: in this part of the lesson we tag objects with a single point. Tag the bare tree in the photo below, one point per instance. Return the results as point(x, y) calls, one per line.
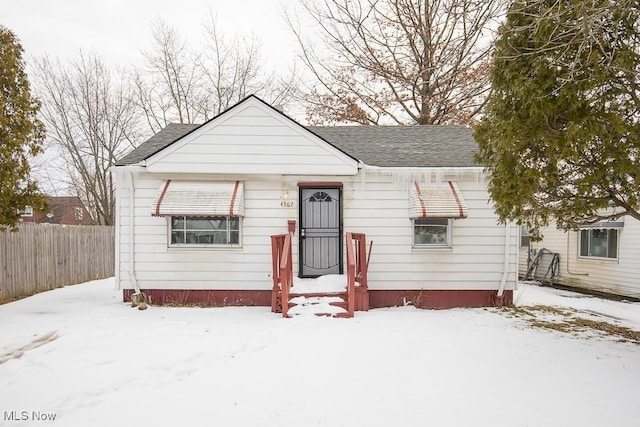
point(233, 69)
point(397, 61)
point(170, 87)
point(91, 120)
point(179, 84)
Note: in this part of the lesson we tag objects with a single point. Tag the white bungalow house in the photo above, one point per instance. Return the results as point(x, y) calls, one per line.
point(601, 257)
point(197, 206)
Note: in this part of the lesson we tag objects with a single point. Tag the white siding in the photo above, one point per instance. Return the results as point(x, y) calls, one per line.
point(376, 205)
point(379, 207)
point(252, 138)
point(618, 277)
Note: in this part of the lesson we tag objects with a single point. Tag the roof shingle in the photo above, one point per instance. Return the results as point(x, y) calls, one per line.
point(385, 146)
point(404, 146)
point(159, 141)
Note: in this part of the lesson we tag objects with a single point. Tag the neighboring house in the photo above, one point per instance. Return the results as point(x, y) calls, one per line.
point(196, 206)
point(602, 257)
point(67, 210)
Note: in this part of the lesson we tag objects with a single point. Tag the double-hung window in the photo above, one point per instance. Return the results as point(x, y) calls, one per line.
point(599, 243)
point(526, 234)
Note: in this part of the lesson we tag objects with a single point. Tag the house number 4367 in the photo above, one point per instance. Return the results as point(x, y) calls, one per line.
point(286, 203)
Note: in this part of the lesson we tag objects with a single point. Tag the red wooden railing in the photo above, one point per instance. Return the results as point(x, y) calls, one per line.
point(277, 244)
point(282, 271)
point(357, 267)
point(351, 276)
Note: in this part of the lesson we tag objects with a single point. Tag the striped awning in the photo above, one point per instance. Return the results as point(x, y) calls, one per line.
point(436, 201)
point(200, 198)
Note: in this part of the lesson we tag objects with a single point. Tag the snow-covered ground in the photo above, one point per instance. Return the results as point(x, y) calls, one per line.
point(88, 359)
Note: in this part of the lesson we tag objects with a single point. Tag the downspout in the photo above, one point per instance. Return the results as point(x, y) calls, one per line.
point(507, 255)
point(138, 298)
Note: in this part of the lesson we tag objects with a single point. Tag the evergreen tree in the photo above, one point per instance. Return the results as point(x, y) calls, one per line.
point(560, 135)
point(21, 134)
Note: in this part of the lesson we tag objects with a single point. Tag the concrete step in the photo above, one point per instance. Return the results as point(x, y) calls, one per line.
point(329, 305)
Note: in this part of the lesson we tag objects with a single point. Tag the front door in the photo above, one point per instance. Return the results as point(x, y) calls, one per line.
point(320, 231)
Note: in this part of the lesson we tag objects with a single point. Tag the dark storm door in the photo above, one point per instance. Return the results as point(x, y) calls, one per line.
point(320, 231)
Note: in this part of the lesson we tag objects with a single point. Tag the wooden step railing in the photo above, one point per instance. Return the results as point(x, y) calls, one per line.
point(277, 244)
point(357, 268)
point(282, 259)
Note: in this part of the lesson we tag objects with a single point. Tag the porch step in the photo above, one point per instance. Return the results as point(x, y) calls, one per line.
point(339, 294)
point(320, 305)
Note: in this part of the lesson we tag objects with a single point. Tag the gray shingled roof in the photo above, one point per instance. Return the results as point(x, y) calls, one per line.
point(391, 146)
point(404, 146)
point(162, 139)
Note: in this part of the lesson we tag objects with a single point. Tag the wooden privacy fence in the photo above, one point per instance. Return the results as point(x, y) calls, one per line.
point(41, 257)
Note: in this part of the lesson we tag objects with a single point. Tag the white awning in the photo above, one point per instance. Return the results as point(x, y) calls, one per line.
point(436, 201)
point(200, 198)
point(604, 225)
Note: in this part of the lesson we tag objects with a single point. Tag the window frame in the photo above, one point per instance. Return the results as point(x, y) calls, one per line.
point(170, 231)
point(525, 234)
point(27, 211)
point(446, 245)
point(78, 213)
point(589, 232)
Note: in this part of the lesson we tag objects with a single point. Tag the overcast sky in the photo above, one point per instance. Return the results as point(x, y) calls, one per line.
point(120, 29)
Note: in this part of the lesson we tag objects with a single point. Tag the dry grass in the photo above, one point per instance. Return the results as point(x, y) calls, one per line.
point(570, 321)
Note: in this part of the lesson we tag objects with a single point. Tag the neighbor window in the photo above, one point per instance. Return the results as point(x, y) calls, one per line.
point(599, 243)
point(79, 214)
point(27, 211)
point(432, 232)
point(526, 234)
point(207, 230)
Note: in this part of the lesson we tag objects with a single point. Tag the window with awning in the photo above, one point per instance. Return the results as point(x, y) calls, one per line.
point(599, 239)
point(432, 207)
point(200, 198)
point(436, 201)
